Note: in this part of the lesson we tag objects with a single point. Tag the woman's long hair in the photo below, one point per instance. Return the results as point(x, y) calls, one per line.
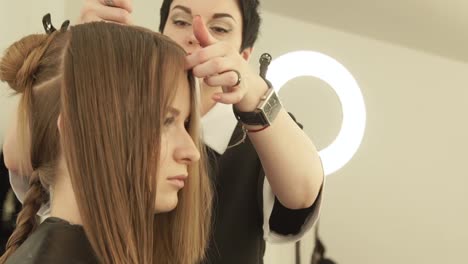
point(112, 85)
point(118, 84)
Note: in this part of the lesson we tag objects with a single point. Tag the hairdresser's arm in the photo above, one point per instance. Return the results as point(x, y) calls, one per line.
point(289, 158)
point(290, 161)
point(98, 10)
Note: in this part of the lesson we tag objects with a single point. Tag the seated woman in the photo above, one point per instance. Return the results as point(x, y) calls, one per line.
point(115, 149)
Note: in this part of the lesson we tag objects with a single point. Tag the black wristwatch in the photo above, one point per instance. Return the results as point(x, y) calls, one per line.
point(269, 105)
point(266, 111)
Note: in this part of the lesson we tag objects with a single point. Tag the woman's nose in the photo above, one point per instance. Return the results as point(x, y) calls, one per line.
point(187, 151)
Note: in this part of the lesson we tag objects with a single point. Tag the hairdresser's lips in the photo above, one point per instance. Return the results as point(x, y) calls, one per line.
point(178, 181)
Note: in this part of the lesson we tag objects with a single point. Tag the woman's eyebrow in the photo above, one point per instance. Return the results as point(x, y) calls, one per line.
point(174, 111)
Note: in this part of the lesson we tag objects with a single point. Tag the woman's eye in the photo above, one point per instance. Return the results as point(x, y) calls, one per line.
point(187, 124)
point(168, 121)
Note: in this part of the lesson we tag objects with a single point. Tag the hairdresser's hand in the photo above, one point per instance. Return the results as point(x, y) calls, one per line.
point(217, 61)
point(117, 11)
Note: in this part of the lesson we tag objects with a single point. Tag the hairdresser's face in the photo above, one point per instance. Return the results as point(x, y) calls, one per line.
point(178, 151)
point(223, 20)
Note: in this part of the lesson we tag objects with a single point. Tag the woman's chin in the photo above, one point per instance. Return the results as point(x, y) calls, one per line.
point(166, 205)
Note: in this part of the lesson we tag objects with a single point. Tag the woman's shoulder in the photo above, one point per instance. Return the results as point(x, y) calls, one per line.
point(55, 241)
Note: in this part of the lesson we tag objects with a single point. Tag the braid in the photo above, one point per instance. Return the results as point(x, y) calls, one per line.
point(26, 222)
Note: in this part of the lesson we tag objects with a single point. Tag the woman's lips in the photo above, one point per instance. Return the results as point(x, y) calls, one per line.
point(178, 181)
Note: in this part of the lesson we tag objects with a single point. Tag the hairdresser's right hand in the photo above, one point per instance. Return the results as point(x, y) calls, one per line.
point(100, 10)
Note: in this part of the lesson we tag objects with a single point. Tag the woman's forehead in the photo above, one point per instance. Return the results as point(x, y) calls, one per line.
point(182, 98)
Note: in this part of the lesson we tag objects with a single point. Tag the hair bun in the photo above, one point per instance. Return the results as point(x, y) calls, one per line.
point(21, 61)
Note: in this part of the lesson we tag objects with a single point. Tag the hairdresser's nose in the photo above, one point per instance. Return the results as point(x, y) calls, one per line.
point(191, 43)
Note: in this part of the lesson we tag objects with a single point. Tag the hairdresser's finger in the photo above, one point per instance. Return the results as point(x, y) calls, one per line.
point(202, 33)
point(203, 55)
point(213, 67)
point(92, 11)
point(124, 4)
point(232, 95)
point(227, 80)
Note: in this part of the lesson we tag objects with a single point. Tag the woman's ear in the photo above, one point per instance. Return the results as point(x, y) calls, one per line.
point(246, 53)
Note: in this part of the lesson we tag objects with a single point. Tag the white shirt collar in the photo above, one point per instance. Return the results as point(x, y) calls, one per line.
point(20, 186)
point(218, 125)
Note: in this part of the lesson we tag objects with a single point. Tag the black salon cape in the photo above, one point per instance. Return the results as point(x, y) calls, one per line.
point(237, 235)
point(55, 241)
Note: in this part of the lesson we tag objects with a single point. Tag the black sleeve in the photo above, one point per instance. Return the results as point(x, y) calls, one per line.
point(285, 221)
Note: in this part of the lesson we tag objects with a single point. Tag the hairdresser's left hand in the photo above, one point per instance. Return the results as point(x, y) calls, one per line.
point(214, 63)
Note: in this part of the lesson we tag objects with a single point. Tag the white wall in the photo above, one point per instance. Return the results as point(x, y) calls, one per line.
point(402, 199)
point(18, 19)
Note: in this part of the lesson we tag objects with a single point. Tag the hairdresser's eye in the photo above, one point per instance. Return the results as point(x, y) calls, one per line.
point(169, 121)
point(219, 30)
point(181, 23)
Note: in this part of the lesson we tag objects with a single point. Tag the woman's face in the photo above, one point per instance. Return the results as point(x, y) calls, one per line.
point(178, 151)
point(223, 20)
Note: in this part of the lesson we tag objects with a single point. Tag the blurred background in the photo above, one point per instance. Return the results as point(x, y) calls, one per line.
point(403, 197)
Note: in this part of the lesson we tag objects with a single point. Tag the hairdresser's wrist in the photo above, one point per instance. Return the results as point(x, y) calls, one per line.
point(253, 96)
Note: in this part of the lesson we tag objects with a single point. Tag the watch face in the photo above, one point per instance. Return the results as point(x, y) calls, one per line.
point(271, 107)
point(266, 111)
